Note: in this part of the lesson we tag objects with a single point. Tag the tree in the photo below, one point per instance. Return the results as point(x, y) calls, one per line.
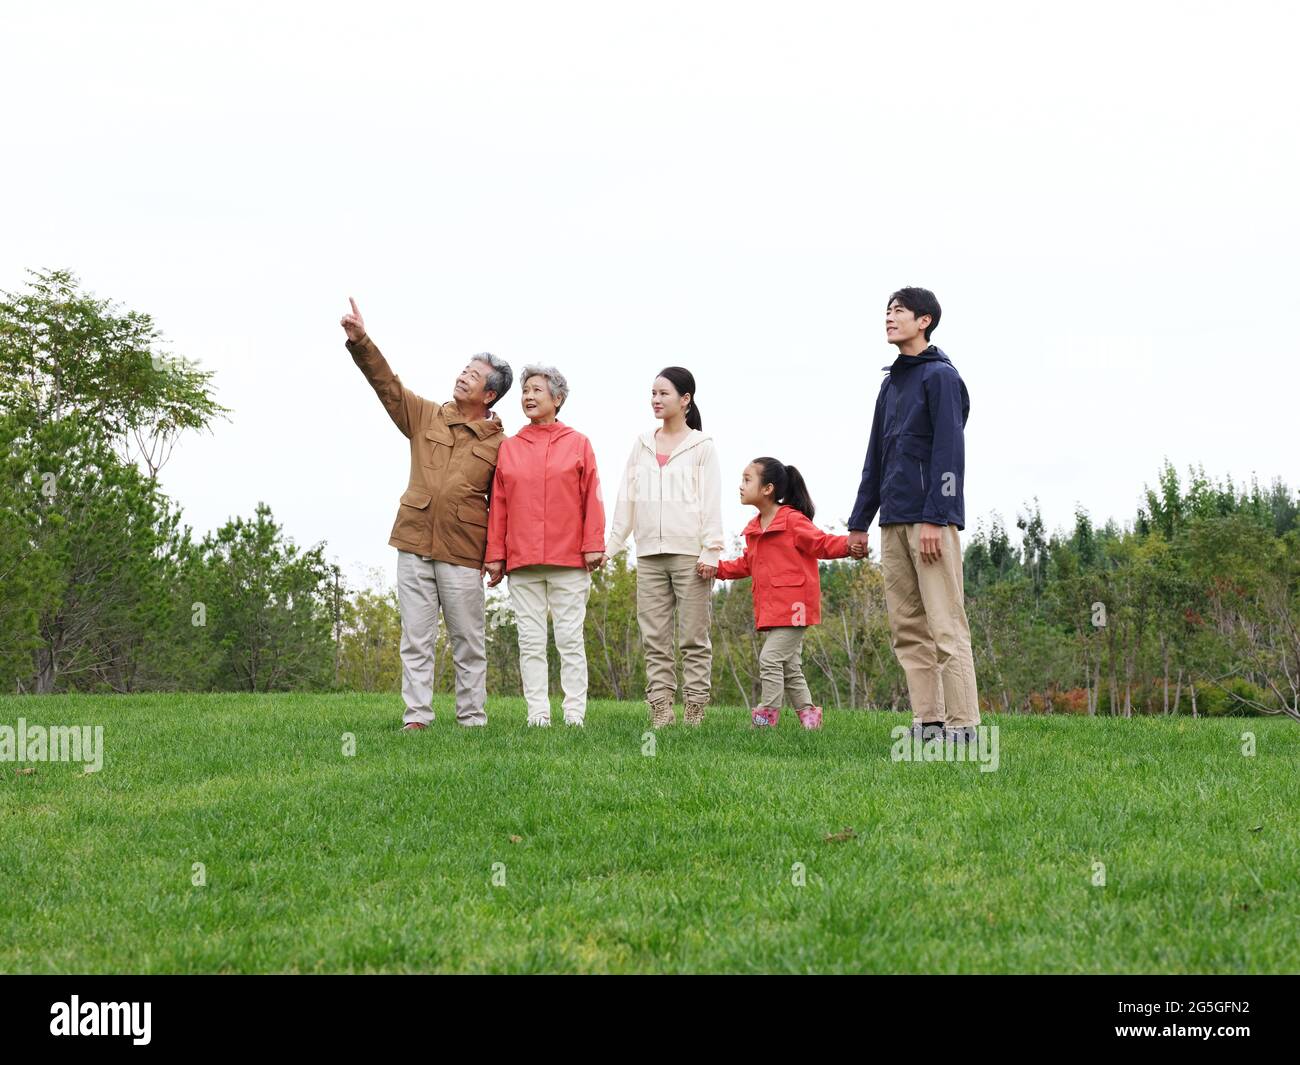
point(63, 352)
point(370, 639)
point(268, 605)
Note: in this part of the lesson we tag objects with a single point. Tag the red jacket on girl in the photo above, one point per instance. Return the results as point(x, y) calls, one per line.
point(782, 559)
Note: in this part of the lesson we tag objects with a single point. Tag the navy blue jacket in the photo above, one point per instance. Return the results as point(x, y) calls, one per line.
point(916, 460)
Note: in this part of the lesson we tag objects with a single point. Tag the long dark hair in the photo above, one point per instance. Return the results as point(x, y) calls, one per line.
point(684, 381)
point(787, 484)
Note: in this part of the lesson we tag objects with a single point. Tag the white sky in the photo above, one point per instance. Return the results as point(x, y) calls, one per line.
point(1103, 199)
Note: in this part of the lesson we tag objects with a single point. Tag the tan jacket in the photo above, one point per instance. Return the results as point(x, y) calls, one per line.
point(444, 510)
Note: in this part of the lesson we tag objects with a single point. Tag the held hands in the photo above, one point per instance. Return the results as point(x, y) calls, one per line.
point(704, 572)
point(353, 324)
point(858, 544)
point(594, 560)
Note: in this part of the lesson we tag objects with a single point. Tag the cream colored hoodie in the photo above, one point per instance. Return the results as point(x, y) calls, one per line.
point(673, 509)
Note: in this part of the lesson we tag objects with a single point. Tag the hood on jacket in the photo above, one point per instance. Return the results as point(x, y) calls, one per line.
point(556, 430)
point(933, 353)
point(694, 437)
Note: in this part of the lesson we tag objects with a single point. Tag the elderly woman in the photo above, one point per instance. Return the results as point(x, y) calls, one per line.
point(546, 529)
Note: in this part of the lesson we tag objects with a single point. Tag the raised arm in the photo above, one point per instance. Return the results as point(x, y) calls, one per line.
point(810, 540)
point(402, 405)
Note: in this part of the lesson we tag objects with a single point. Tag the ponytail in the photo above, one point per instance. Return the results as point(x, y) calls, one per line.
point(684, 381)
point(787, 485)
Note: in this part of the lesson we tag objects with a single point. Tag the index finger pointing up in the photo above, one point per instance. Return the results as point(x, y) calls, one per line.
point(354, 306)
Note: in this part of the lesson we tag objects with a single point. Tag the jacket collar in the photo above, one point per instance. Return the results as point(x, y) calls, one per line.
point(779, 520)
point(692, 438)
point(933, 353)
point(483, 428)
point(556, 428)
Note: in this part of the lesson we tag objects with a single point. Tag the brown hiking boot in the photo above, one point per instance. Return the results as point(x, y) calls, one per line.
point(661, 712)
point(693, 713)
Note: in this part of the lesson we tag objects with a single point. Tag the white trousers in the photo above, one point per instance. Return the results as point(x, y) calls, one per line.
point(560, 592)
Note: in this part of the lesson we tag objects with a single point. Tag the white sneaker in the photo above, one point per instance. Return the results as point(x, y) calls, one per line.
point(574, 721)
point(539, 722)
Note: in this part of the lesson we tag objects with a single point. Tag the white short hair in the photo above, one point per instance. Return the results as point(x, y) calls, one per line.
point(555, 381)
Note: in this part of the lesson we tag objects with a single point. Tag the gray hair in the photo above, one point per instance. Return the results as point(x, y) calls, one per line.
point(500, 376)
point(555, 381)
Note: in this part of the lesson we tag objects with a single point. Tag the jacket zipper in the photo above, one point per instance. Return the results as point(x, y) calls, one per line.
point(661, 496)
point(655, 450)
point(921, 467)
point(661, 493)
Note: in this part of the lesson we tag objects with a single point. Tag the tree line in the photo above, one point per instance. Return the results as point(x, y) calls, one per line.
point(1192, 606)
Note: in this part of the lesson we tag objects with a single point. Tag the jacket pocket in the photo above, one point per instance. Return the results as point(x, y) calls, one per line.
point(914, 463)
point(412, 524)
point(916, 447)
point(466, 535)
point(473, 513)
point(438, 441)
point(787, 580)
point(481, 465)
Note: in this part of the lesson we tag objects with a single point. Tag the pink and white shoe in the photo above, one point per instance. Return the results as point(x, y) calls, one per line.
point(810, 717)
point(764, 716)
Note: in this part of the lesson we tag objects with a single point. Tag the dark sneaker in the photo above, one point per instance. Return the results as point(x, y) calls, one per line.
point(926, 730)
point(414, 726)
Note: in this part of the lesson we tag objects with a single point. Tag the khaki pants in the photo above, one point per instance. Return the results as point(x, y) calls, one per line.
point(927, 622)
point(667, 584)
point(423, 587)
point(561, 592)
point(780, 667)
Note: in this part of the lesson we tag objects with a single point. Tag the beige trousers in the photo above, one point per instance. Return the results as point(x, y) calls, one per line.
point(780, 667)
point(424, 587)
point(667, 587)
point(927, 622)
point(561, 592)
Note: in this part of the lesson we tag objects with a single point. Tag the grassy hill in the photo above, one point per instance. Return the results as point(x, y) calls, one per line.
point(608, 859)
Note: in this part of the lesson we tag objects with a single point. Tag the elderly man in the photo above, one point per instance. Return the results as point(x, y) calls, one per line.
point(441, 527)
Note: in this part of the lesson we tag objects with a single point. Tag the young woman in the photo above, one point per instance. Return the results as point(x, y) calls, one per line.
point(782, 547)
point(670, 502)
point(546, 528)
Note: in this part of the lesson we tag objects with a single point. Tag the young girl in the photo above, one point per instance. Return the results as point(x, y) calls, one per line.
point(782, 547)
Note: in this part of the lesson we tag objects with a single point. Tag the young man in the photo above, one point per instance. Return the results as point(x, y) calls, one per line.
point(441, 527)
point(914, 476)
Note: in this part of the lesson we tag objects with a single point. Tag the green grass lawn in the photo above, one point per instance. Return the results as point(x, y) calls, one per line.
point(613, 860)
